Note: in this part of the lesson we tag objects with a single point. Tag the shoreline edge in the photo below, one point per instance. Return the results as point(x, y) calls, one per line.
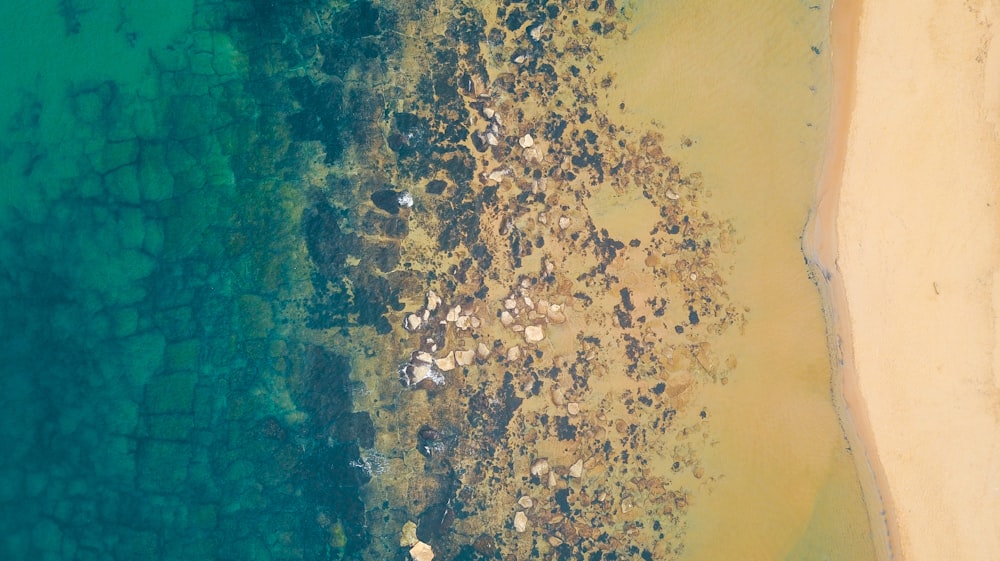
point(819, 245)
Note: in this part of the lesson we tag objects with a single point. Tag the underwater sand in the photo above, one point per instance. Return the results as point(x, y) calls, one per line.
point(341, 281)
point(757, 118)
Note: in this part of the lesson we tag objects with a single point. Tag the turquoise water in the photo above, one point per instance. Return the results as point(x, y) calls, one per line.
point(140, 258)
point(281, 278)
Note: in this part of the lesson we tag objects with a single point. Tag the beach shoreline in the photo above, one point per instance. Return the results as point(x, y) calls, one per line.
point(919, 399)
point(820, 248)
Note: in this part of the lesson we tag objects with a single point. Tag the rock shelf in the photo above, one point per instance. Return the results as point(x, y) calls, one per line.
point(368, 292)
point(570, 358)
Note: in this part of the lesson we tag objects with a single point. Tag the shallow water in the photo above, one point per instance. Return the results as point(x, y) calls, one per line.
point(754, 106)
point(279, 282)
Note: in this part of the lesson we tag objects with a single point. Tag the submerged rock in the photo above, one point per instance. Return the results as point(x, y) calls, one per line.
point(520, 522)
point(533, 334)
point(408, 537)
point(421, 552)
point(391, 201)
point(421, 373)
point(540, 467)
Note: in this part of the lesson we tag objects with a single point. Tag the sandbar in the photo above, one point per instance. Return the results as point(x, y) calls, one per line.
point(906, 233)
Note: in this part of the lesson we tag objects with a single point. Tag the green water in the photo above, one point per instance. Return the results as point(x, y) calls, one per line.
point(140, 273)
point(207, 265)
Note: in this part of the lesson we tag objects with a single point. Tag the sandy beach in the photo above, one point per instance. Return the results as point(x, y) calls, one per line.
point(907, 233)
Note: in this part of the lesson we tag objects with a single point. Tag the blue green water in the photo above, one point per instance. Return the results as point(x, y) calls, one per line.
point(140, 263)
point(255, 261)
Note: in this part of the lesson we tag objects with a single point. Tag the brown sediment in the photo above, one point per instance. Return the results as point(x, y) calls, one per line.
point(757, 119)
point(820, 246)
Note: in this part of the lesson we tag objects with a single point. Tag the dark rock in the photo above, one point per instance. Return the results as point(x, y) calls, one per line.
point(360, 19)
point(435, 521)
point(436, 187)
point(327, 244)
point(564, 429)
point(626, 295)
point(428, 440)
point(485, 545)
point(387, 200)
point(562, 499)
point(356, 427)
point(516, 19)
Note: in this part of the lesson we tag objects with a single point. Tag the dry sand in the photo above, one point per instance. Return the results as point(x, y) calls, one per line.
point(908, 233)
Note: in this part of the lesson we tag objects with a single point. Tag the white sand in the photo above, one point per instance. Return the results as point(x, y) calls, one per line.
point(916, 215)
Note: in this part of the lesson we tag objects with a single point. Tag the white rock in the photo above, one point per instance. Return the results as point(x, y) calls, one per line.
point(482, 350)
point(433, 300)
point(462, 322)
point(419, 372)
point(489, 112)
point(423, 357)
point(564, 222)
point(627, 504)
point(552, 480)
point(453, 314)
point(510, 304)
point(405, 199)
point(573, 408)
point(555, 314)
point(474, 322)
point(554, 541)
point(540, 467)
point(421, 552)
point(492, 139)
point(525, 502)
point(465, 358)
point(533, 334)
point(520, 522)
point(542, 307)
point(413, 322)
point(526, 141)
point(506, 319)
point(513, 353)
point(528, 302)
point(446, 363)
point(576, 470)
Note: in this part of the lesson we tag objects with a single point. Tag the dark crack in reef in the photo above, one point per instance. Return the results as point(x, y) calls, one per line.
point(496, 370)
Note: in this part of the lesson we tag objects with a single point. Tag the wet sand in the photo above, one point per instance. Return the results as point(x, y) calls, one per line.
point(756, 113)
point(906, 231)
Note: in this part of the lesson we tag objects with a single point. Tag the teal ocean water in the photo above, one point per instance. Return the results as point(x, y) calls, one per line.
point(143, 235)
point(345, 280)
